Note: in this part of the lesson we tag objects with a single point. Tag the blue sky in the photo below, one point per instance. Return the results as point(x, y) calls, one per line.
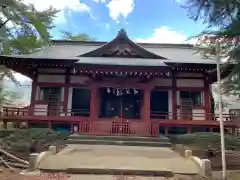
point(157, 21)
point(151, 21)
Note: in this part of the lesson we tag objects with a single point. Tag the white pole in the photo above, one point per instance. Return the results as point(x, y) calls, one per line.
point(218, 59)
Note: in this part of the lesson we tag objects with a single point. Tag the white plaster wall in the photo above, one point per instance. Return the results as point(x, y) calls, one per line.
point(170, 103)
point(37, 93)
point(178, 97)
point(233, 101)
point(62, 94)
point(199, 114)
point(178, 114)
point(70, 98)
point(40, 109)
point(190, 83)
point(185, 74)
point(79, 79)
point(51, 78)
point(51, 70)
point(162, 82)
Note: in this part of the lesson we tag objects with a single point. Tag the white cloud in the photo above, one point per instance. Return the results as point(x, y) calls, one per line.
point(120, 7)
point(62, 5)
point(21, 77)
point(3, 18)
point(164, 34)
point(101, 1)
point(181, 1)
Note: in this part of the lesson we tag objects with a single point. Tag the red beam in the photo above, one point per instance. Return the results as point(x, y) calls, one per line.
point(66, 90)
point(80, 74)
point(174, 96)
point(133, 85)
point(207, 99)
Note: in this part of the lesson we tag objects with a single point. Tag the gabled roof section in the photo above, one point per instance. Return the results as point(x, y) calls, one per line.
point(122, 46)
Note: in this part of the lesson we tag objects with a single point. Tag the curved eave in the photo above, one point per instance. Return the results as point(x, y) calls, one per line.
point(191, 65)
point(26, 59)
point(122, 38)
point(118, 67)
point(225, 72)
point(26, 65)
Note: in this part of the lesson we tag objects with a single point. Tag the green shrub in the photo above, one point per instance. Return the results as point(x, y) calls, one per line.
point(208, 140)
point(22, 139)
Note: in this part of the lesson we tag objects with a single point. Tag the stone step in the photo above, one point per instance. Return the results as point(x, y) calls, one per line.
point(118, 142)
point(112, 177)
point(120, 138)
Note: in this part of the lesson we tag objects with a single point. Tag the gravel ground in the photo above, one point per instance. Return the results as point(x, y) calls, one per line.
point(6, 174)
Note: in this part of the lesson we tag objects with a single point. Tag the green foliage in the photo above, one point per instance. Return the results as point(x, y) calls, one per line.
point(78, 37)
point(222, 18)
point(208, 141)
point(22, 139)
point(23, 30)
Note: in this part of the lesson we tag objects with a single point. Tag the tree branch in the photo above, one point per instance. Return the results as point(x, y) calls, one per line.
point(4, 23)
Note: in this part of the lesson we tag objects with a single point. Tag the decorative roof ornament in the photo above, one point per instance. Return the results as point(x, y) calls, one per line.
point(122, 46)
point(122, 33)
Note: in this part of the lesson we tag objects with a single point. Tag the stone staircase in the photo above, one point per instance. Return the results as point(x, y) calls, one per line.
point(119, 140)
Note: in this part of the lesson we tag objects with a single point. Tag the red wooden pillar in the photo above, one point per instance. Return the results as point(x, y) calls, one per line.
point(189, 130)
point(49, 124)
point(66, 91)
point(166, 131)
point(207, 100)
point(146, 105)
point(211, 129)
point(33, 93)
point(93, 105)
point(146, 114)
point(174, 97)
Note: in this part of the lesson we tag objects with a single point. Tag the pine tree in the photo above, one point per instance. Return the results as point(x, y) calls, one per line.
point(224, 16)
point(23, 30)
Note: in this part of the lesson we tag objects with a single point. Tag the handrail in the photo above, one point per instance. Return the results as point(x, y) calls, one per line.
point(10, 111)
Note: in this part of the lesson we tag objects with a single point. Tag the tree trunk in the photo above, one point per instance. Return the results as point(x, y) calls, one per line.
point(13, 157)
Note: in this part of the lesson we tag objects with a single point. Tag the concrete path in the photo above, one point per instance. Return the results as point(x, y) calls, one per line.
point(118, 157)
point(111, 177)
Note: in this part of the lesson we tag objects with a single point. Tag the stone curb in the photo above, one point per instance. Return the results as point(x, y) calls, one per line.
point(36, 159)
point(203, 164)
point(103, 171)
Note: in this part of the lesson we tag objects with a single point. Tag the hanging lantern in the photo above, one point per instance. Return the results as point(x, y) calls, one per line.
point(108, 90)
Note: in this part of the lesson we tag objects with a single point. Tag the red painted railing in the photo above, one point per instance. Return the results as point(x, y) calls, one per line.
point(123, 127)
point(6, 111)
point(113, 126)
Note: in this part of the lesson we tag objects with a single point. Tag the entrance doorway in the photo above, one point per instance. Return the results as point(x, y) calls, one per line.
point(120, 103)
point(81, 102)
point(159, 104)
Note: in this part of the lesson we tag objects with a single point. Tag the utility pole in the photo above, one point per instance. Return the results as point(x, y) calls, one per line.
point(218, 61)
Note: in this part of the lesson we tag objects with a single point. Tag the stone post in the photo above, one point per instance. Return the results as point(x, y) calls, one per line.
point(33, 162)
point(206, 168)
point(52, 149)
point(2, 125)
point(10, 125)
point(188, 153)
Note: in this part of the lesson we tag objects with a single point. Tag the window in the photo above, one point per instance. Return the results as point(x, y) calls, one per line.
point(195, 97)
point(45, 93)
